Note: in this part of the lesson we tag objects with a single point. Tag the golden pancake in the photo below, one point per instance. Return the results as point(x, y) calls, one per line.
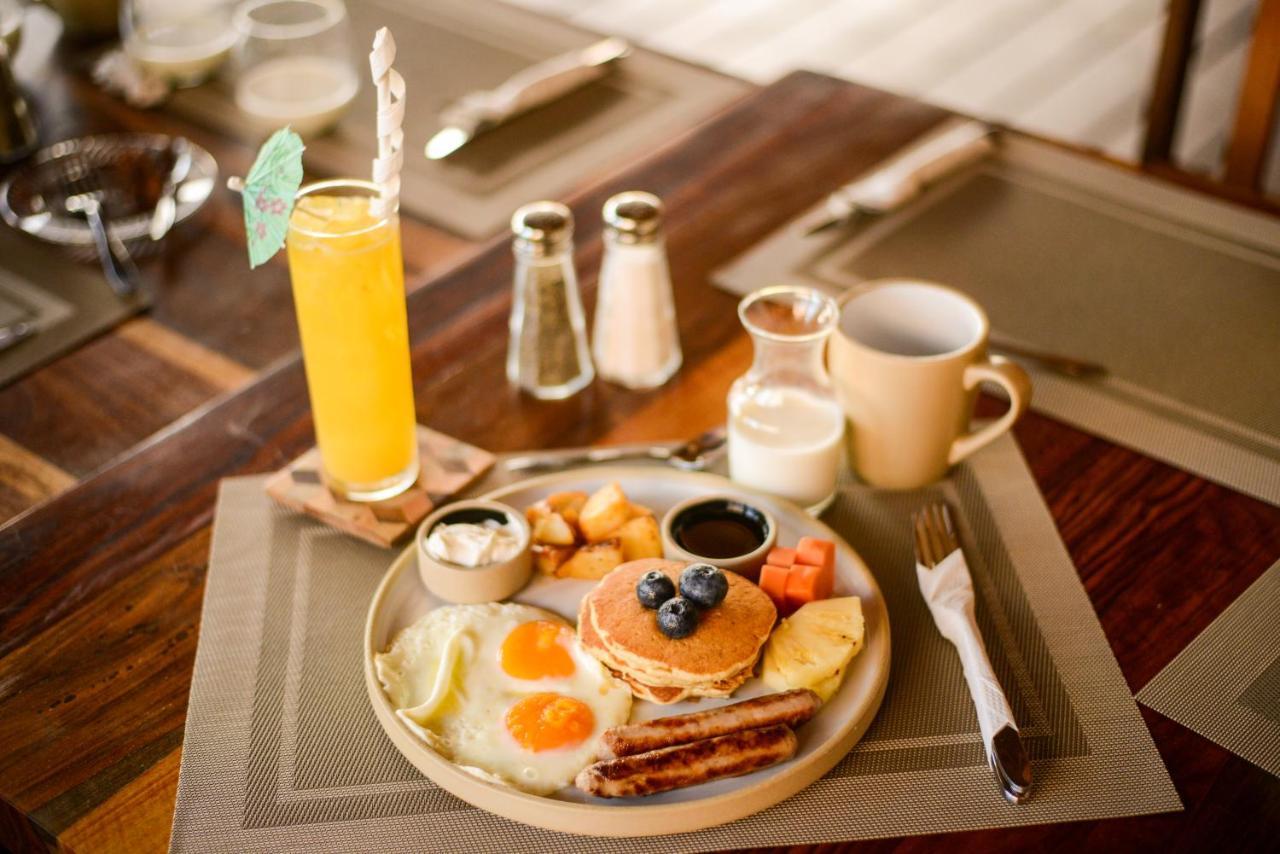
point(656, 693)
point(591, 643)
point(653, 693)
point(726, 643)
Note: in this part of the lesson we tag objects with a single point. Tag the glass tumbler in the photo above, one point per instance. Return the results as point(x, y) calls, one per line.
point(294, 64)
point(348, 289)
point(180, 41)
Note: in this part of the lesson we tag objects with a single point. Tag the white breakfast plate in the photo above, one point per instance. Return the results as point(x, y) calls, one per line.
point(401, 599)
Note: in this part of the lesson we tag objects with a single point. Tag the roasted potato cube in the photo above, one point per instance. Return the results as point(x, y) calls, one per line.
point(638, 510)
point(536, 511)
point(605, 511)
point(553, 530)
point(640, 537)
point(592, 561)
point(567, 504)
point(549, 559)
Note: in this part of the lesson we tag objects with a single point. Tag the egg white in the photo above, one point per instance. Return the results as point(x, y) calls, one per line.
point(445, 678)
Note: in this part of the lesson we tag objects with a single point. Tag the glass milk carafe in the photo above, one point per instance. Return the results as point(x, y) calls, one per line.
point(785, 426)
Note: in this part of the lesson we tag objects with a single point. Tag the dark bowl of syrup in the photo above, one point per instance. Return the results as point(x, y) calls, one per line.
point(720, 530)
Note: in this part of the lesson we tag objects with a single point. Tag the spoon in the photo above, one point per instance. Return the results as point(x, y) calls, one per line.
point(117, 264)
point(692, 455)
point(166, 210)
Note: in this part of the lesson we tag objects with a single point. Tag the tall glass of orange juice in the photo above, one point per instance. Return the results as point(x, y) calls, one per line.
point(348, 288)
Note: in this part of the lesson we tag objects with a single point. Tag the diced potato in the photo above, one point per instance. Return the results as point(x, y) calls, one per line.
point(605, 511)
point(536, 511)
point(639, 510)
point(549, 559)
point(567, 504)
point(593, 561)
point(553, 530)
point(640, 538)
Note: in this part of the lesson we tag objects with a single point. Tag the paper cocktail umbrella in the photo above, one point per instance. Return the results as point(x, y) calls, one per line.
point(268, 193)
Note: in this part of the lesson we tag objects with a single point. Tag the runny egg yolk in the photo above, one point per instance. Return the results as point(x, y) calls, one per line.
point(548, 721)
point(533, 651)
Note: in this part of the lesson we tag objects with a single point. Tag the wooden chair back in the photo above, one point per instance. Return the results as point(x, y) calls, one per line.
point(1256, 108)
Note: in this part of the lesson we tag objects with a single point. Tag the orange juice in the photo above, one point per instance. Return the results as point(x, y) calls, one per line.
point(348, 288)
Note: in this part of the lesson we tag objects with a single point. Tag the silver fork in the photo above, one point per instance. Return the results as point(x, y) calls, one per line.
point(947, 587)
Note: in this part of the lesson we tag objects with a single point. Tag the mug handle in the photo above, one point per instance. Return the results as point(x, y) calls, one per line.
point(1014, 380)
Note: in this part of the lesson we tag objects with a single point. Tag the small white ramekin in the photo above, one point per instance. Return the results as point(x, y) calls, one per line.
point(465, 585)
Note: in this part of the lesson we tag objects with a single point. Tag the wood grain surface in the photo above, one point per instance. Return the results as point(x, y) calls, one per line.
point(101, 584)
point(214, 324)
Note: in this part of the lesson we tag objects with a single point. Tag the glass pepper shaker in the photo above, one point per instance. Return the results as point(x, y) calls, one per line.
point(785, 425)
point(547, 353)
point(635, 340)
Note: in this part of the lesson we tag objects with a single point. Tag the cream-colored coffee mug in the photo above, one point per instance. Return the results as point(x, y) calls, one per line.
point(906, 361)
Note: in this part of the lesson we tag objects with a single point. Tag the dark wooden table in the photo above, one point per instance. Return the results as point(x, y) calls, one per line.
point(213, 328)
point(101, 585)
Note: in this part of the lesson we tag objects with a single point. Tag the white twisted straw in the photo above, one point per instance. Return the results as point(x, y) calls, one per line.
point(386, 166)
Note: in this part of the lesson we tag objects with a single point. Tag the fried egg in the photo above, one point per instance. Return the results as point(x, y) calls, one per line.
point(503, 690)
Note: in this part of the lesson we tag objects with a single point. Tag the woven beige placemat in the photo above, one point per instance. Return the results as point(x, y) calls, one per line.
point(1226, 684)
point(448, 48)
point(283, 753)
point(1176, 294)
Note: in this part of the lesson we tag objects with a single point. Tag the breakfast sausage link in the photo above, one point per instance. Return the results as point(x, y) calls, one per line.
point(791, 708)
point(688, 764)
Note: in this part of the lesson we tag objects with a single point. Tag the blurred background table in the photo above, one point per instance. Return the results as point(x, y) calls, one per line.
point(111, 456)
point(213, 328)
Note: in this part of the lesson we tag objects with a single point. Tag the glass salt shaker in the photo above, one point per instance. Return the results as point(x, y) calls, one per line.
point(635, 340)
point(785, 425)
point(547, 353)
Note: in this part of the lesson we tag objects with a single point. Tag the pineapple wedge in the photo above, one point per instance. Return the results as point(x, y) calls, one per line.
point(812, 647)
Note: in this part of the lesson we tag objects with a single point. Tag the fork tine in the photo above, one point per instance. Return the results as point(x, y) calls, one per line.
point(939, 534)
point(923, 553)
point(953, 541)
point(942, 528)
point(926, 527)
point(937, 537)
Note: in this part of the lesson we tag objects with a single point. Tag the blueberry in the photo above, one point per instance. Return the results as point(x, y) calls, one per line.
point(704, 584)
point(677, 618)
point(654, 588)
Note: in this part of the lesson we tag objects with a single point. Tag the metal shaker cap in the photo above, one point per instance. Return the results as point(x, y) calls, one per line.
point(542, 227)
point(634, 216)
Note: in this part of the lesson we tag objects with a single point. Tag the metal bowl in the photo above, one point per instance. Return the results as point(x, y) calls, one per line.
point(127, 171)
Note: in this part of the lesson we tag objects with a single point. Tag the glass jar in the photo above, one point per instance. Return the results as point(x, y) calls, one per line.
point(785, 426)
point(547, 352)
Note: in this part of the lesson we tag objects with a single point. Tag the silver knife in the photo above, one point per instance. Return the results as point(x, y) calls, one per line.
point(947, 587)
point(946, 149)
point(16, 333)
point(532, 87)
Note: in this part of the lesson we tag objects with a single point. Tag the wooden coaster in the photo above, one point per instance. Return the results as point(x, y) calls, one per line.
point(447, 467)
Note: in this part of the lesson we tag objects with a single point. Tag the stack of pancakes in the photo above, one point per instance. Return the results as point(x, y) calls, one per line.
point(712, 662)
